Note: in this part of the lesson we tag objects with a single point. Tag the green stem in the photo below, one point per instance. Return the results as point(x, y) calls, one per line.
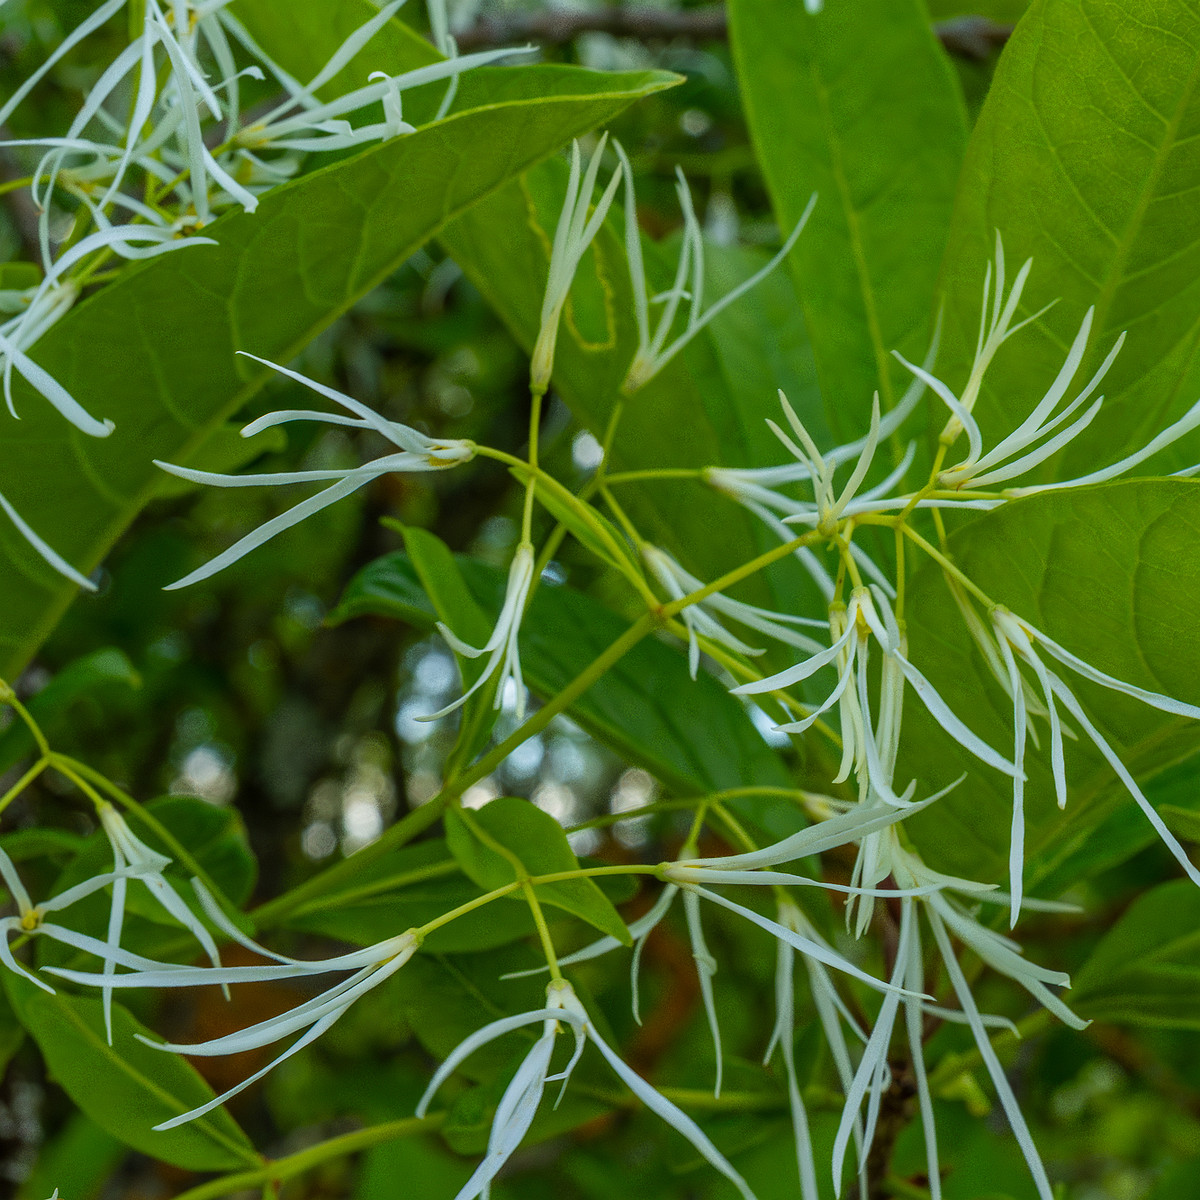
point(949, 567)
point(656, 473)
point(282, 1169)
point(9, 697)
point(583, 510)
point(404, 831)
point(22, 783)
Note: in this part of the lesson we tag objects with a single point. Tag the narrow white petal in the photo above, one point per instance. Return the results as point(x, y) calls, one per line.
point(915, 1028)
point(674, 1116)
point(1189, 421)
point(479, 1038)
point(706, 968)
point(1016, 848)
point(44, 550)
point(801, 671)
point(12, 881)
point(827, 835)
point(46, 385)
point(805, 945)
point(1004, 1092)
point(265, 532)
point(1154, 699)
point(950, 722)
point(311, 1036)
point(952, 402)
point(1169, 840)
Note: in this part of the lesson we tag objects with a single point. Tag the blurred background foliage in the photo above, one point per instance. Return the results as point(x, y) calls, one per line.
point(241, 692)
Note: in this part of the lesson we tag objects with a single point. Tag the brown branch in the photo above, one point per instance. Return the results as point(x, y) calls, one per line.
point(967, 37)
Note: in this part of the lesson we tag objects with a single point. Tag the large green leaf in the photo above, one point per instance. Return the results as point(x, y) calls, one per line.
point(1084, 158)
point(693, 736)
point(1146, 969)
point(155, 351)
point(509, 833)
point(1112, 573)
point(881, 147)
point(128, 1087)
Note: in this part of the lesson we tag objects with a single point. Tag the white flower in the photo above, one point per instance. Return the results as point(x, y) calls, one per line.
point(417, 452)
point(678, 873)
point(755, 487)
point(519, 1104)
point(679, 583)
point(1045, 431)
point(129, 851)
point(44, 549)
point(653, 352)
point(1015, 634)
point(782, 1035)
point(1008, 1100)
point(503, 646)
point(851, 631)
point(572, 236)
point(31, 919)
point(371, 966)
point(321, 126)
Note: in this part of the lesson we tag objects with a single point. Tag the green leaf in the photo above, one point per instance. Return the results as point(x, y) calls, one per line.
point(1084, 161)
point(1184, 823)
point(24, 844)
point(456, 608)
point(881, 146)
point(600, 535)
point(155, 350)
point(128, 1087)
point(443, 583)
point(1109, 572)
point(511, 837)
point(86, 680)
point(1146, 969)
point(694, 736)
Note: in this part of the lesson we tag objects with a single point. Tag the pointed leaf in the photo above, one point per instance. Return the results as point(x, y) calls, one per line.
point(881, 147)
point(533, 841)
point(128, 1087)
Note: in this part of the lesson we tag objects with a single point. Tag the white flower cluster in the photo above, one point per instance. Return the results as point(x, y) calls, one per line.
point(146, 176)
point(859, 644)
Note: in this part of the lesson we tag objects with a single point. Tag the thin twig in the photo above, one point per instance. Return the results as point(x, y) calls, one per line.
point(967, 37)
